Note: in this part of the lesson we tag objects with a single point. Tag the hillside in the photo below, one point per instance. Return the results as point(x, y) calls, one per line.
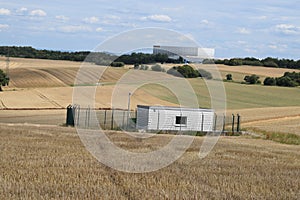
point(48, 84)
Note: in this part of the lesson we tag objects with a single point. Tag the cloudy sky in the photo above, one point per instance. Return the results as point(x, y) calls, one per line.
point(235, 28)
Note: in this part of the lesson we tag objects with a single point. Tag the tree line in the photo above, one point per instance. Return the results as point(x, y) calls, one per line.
point(99, 58)
point(103, 58)
point(266, 62)
point(289, 79)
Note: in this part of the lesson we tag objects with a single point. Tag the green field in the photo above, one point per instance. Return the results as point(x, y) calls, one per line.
point(239, 96)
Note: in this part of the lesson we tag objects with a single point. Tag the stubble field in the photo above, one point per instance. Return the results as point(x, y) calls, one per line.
point(42, 162)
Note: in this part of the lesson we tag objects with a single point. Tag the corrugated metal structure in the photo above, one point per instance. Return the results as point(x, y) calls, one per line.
point(174, 118)
point(187, 52)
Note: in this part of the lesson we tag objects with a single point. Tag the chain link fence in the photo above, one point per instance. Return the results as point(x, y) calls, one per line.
point(117, 119)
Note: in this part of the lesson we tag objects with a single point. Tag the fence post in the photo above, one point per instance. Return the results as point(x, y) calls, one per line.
point(70, 116)
point(104, 123)
point(224, 122)
point(215, 125)
point(202, 123)
point(233, 118)
point(158, 120)
point(238, 126)
point(123, 122)
point(78, 111)
point(112, 119)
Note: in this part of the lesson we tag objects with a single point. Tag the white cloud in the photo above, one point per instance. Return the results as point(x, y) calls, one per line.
point(73, 29)
point(3, 27)
point(39, 13)
point(204, 21)
point(157, 18)
point(263, 17)
point(244, 31)
point(99, 29)
point(174, 9)
point(113, 17)
point(4, 11)
point(22, 10)
point(288, 29)
point(62, 18)
point(91, 20)
point(279, 47)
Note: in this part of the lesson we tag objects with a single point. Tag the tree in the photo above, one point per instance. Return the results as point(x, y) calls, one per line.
point(270, 81)
point(204, 74)
point(117, 64)
point(253, 79)
point(286, 82)
point(4, 79)
point(157, 68)
point(136, 66)
point(229, 77)
point(187, 71)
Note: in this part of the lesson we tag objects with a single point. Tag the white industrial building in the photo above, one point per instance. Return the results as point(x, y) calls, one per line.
point(191, 53)
point(174, 118)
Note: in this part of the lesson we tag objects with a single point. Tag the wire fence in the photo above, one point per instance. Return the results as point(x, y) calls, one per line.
point(116, 119)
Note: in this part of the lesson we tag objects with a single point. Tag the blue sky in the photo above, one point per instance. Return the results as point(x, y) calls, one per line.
point(235, 28)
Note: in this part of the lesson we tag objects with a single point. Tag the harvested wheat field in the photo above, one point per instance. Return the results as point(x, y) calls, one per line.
point(49, 84)
point(51, 163)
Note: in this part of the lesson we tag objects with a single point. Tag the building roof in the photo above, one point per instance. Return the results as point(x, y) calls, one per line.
point(175, 108)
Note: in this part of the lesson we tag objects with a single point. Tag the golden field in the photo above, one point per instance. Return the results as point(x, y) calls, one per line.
point(48, 84)
point(40, 159)
point(48, 162)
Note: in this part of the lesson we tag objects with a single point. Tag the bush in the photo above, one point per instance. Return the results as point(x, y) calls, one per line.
point(4, 79)
point(117, 64)
point(173, 71)
point(253, 79)
point(286, 82)
point(204, 74)
point(229, 77)
point(187, 71)
point(157, 68)
point(144, 67)
point(136, 66)
point(270, 81)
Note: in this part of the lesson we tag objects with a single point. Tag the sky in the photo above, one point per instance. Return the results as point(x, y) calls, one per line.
point(234, 28)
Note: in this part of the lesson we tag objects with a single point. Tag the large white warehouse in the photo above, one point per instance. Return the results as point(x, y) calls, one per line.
point(174, 118)
point(187, 52)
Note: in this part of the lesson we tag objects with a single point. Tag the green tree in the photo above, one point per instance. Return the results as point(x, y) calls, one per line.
point(269, 81)
point(157, 68)
point(253, 79)
point(4, 79)
point(117, 64)
point(187, 71)
point(286, 82)
point(229, 77)
point(204, 74)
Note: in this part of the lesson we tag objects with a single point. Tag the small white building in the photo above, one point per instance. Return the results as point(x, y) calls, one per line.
point(174, 118)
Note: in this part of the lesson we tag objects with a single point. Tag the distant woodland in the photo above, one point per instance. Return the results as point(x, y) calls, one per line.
point(103, 58)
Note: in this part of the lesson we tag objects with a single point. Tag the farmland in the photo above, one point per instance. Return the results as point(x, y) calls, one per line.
point(40, 159)
point(47, 84)
point(46, 162)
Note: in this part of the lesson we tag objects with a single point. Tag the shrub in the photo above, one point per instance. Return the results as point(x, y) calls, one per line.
point(144, 67)
point(204, 74)
point(136, 66)
point(157, 68)
point(187, 71)
point(229, 77)
point(286, 81)
point(270, 81)
point(253, 79)
point(117, 64)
